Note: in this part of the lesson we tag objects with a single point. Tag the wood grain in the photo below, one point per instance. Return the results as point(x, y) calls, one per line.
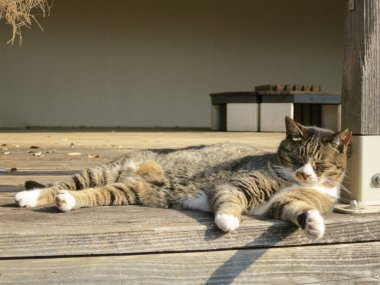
point(134, 229)
point(112, 140)
point(361, 72)
point(332, 264)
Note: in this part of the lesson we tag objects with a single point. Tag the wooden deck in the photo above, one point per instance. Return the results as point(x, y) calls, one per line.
point(137, 245)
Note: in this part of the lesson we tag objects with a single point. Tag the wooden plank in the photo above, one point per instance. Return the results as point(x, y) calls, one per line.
point(234, 97)
point(333, 264)
point(133, 229)
point(307, 88)
point(316, 88)
point(300, 97)
point(113, 140)
point(108, 146)
point(361, 71)
point(279, 87)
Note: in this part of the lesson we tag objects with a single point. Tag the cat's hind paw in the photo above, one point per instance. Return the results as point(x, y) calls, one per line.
point(65, 201)
point(227, 222)
point(28, 198)
point(313, 224)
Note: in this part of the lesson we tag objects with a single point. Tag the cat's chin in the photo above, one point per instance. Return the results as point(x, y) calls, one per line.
point(307, 183)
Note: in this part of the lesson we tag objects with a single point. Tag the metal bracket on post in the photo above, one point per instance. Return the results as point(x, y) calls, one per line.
point(356, 208)
point(363, 177)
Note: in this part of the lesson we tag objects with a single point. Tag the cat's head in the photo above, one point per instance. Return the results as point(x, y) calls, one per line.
point(313, 156)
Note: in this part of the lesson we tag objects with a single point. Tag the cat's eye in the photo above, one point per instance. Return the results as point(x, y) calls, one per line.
point(320, 166)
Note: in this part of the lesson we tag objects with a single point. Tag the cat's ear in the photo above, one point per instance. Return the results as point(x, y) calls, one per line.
point(341, 139)
point(294, 130)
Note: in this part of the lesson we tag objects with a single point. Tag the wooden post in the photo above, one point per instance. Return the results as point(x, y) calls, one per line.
point(361, 72)
point(361, 98)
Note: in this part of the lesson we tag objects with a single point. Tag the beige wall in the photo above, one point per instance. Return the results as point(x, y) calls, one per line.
point(147, 63)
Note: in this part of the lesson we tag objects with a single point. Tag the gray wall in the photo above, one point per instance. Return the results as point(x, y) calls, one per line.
point(148, 63)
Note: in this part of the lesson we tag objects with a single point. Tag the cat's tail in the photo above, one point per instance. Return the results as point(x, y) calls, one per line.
point(31, 184)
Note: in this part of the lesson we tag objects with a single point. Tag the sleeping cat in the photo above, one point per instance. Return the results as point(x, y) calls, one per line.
point(297, 184)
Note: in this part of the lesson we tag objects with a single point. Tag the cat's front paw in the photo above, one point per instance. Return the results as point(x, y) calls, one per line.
point(28, 198)
point(65, 201)
point(312, 223)
point(227, 222)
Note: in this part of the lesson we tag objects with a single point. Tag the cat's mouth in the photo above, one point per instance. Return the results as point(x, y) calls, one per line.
point(305, 179)
point(308, 182)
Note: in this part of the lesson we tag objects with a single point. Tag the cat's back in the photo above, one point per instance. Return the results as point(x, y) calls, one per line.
point(198, 159)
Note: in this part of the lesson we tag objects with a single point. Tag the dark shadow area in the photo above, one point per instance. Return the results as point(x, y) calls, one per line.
point(206, 219)
point(230, 270)
point(48, 210)
point(12, 205)
point(239, 262)
point(171, 150)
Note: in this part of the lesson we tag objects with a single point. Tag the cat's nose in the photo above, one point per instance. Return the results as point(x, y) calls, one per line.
point(303, 175)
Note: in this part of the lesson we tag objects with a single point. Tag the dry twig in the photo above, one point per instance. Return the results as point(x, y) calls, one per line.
point(22, 13)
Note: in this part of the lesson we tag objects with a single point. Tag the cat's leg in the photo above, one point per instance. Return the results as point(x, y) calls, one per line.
point(88, 178)
point(304, 216)
point(302, 208)
point(37, 197)
point(228, 204)
point(134, 191)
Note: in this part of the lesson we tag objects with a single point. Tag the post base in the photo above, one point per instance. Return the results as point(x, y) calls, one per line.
point(363, 171)
point(360, 209)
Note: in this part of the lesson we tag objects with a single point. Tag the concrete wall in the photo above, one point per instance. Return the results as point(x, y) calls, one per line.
point(148, 63)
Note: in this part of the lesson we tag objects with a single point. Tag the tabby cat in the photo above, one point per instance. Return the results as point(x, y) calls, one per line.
point(297, 184)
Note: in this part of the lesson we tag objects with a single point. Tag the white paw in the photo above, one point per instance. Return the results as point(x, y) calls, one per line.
point(65, 201)
point(227, 222)
point(315, 226)
point(28, 198)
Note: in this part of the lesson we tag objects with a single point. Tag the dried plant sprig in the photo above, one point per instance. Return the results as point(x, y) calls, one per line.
point(22, 13)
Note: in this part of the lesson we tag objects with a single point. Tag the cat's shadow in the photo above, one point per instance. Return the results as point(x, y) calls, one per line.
point(206, 219)
point(241, 259)
point(48, 210)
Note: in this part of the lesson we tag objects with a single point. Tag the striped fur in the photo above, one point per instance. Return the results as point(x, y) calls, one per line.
point(295, 184)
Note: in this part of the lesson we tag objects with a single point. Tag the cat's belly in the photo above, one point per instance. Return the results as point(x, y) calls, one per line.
point(199, 203)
